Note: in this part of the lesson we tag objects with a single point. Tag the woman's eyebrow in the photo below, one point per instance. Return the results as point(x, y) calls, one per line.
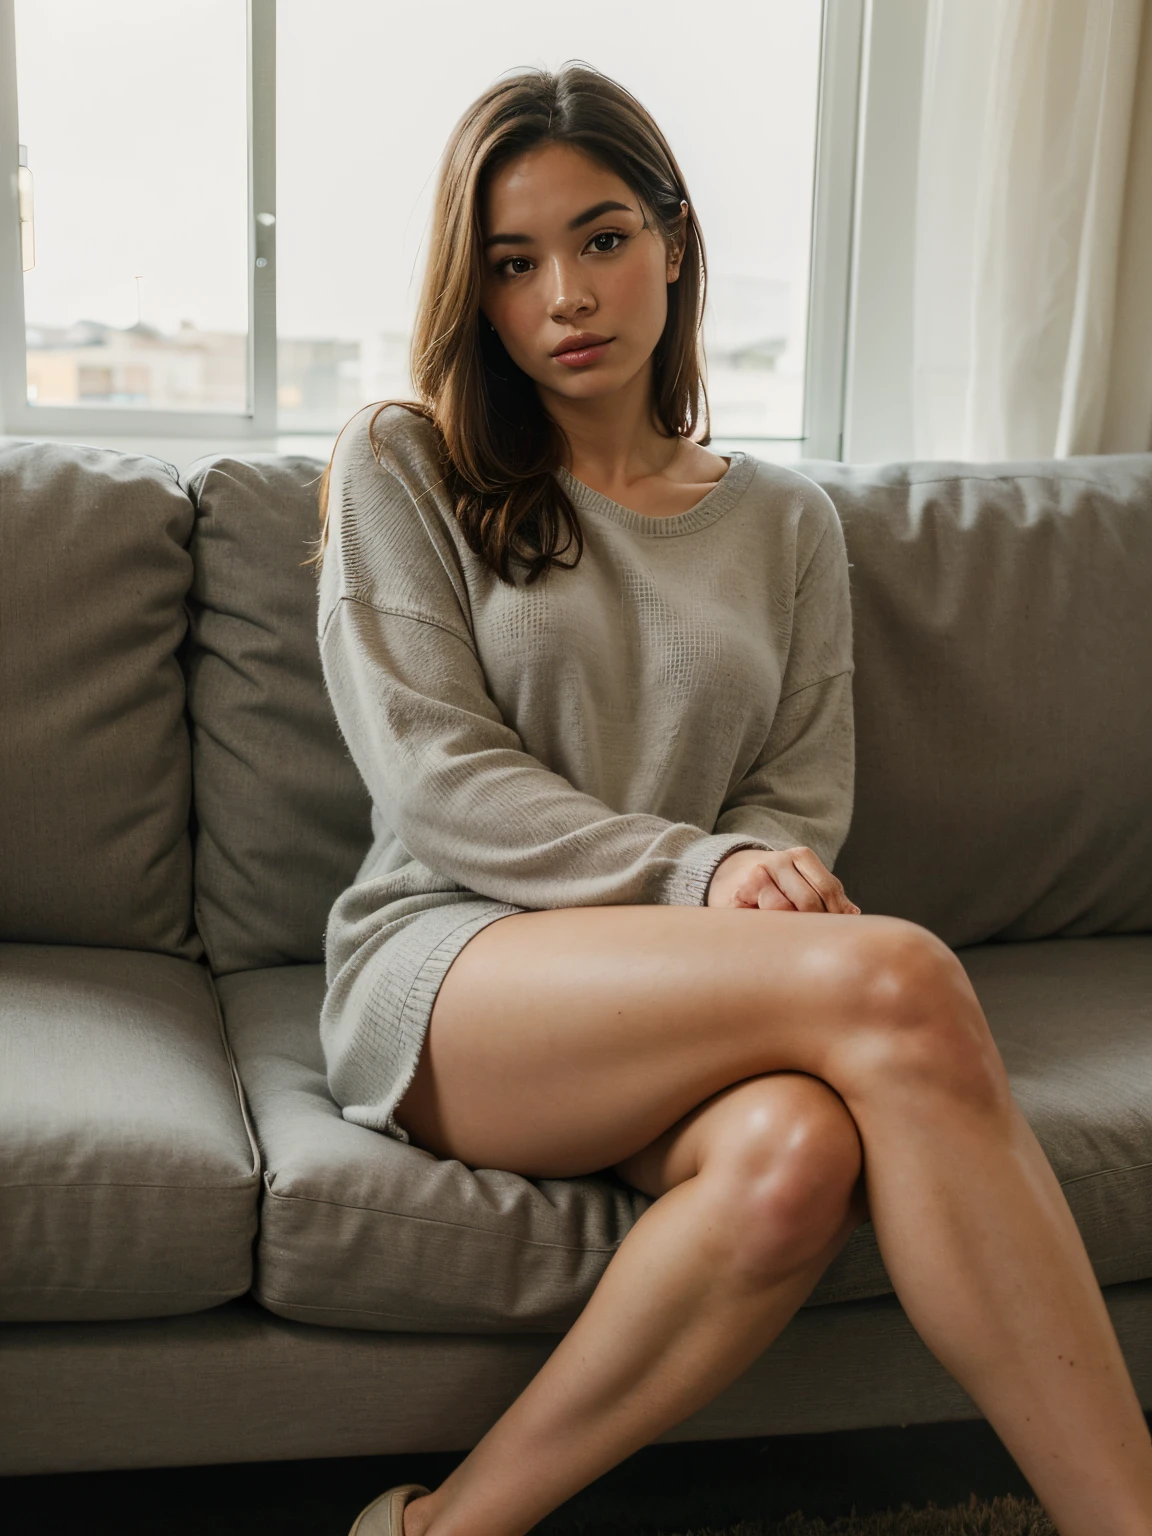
point(594, 213)
point(608, 206)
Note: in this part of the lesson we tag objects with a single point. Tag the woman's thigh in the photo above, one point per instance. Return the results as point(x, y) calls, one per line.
point(563, 1041)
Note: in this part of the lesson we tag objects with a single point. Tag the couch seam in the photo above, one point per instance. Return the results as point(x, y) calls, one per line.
point(122, 1290)
point(458, 1226)
point(907, 485)
point(1101, 1173)
point(266, 1297)
point(172, 1189)
point(238, 1086)
point(223, 1189)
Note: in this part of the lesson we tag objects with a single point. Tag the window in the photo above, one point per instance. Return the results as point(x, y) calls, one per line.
point(223, 204)
point(132, 126)
point(362, 119)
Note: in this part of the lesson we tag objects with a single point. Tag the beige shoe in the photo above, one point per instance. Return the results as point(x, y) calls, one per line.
point(385, 1515)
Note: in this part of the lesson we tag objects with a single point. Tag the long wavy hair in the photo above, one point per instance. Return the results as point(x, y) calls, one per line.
point(498, 446)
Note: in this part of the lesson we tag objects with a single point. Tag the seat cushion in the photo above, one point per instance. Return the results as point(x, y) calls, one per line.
point(95, 763)
point(128, 1180)
point(283, 817)
point(1003, 693)
point(360, 1230)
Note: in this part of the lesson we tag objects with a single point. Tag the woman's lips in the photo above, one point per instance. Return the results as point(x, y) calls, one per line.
point(580, 357)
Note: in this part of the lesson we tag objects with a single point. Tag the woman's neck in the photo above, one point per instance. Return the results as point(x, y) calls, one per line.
point(614, 441)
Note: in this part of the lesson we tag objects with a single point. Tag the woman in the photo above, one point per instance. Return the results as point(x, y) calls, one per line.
point(569, 758)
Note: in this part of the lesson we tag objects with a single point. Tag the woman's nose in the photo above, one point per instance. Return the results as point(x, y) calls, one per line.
point(570, 295)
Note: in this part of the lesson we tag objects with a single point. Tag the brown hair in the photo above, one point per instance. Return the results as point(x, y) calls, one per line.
point(499, 448)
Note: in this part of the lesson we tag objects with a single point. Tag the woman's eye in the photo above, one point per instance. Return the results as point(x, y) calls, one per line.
point(607, 240)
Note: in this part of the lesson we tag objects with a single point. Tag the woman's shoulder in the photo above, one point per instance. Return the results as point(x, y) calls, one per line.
point(799, 504)
point(396, 438)
point(390, 529)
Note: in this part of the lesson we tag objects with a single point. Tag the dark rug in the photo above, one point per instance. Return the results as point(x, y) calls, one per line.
point(1002, 1517)
point(925, 1480)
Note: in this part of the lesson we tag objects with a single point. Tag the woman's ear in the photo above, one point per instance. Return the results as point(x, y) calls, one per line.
point(678, 244)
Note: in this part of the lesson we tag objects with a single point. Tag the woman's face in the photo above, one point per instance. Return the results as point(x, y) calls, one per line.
point(567, 255)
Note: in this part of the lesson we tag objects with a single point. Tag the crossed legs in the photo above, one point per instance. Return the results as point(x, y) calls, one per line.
point(773, 1079)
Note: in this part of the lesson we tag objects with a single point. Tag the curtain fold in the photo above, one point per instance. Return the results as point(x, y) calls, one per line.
point(1032, 297)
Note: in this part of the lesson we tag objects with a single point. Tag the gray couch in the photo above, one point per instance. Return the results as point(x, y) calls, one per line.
point(200, 1260)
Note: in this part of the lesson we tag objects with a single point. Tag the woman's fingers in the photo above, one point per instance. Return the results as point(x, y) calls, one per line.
point(829, 889)
point(759, 889)
point(799, 890)
point(794, 880)
point(772, 898)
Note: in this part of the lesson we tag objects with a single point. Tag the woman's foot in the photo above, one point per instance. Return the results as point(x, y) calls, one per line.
point(417, 1516)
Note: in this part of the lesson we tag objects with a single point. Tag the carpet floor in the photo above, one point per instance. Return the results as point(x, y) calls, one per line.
point(1008, 1516)
point(925, 1480)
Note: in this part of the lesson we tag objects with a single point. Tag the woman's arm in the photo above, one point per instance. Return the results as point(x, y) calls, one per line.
point(446, 772)
point(799, 790)
point(454, 783)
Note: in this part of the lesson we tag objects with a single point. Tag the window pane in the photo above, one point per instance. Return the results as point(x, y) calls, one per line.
point(367, 93)
point(134, 115)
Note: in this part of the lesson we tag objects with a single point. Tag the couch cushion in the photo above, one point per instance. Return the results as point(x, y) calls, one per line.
point(229, 1385)
point(1003, 693)
point(283, 817)
point(360, 1230)
point(1003, 702)
point(94, 755)
point(128, 1182)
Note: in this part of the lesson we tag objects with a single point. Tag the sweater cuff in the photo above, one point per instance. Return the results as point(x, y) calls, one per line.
point(688, 886)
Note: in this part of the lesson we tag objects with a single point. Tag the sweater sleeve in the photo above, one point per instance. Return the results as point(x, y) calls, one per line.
point(447, 774)
point(454, 783)
point(799, 790)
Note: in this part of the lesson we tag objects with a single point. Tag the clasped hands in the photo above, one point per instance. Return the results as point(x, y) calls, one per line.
point(794, 880)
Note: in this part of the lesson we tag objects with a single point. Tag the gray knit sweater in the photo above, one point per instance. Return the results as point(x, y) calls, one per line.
point(606, 735)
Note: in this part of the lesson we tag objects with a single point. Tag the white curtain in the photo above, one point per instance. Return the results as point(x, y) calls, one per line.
point(1032, 328)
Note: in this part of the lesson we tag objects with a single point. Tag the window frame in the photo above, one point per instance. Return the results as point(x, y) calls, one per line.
point(834, 213)
point(878, 383)
point(259, 421)
point(842, 34)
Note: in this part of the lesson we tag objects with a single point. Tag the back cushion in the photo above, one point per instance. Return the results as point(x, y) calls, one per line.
point(283, 817)
point(1003, 693)
point(1003, 702)
point(94, 751)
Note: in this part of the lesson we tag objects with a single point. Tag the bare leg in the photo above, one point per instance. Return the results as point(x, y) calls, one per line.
point(977, 1237)
point(700, 1286)
point(991, 1269)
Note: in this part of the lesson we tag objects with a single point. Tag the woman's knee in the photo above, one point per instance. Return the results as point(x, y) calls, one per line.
point(919, 1022)
point(783, 1166)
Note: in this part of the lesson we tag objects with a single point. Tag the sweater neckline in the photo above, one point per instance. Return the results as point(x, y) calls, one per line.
point(712, 505)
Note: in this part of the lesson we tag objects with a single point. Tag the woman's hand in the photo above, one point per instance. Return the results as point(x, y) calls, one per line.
point(792, 881)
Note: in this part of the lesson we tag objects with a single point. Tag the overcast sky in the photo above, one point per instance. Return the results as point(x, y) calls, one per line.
point(133, 112)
